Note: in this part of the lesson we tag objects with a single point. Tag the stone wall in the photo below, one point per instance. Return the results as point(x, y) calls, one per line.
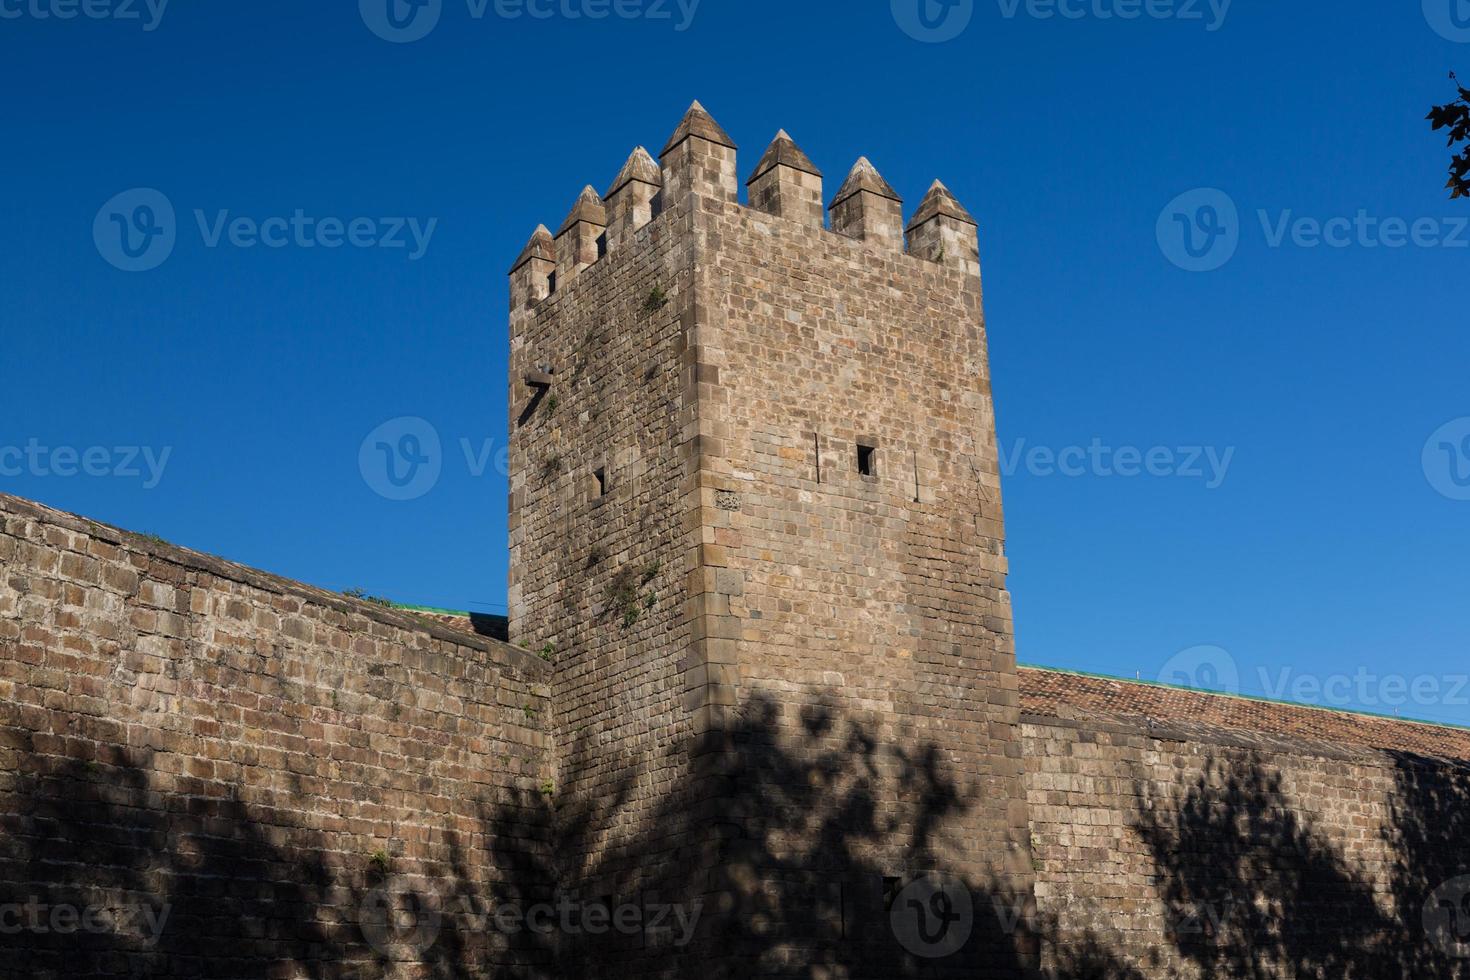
point(1192, 851)
point(206, 771)
point(601, 465)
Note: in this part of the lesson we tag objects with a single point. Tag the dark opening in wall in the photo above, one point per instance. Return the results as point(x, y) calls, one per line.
point(602, 245)
point(600, 475)
point(551, 284)
point(867, 460)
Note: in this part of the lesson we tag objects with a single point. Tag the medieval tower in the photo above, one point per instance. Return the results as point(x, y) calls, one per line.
point(755, 522)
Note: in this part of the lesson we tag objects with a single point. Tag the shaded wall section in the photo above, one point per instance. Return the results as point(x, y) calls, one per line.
point(1310, 844)
point(208, 771)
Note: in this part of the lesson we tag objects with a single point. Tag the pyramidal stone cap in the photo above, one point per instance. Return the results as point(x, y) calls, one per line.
point(641, 166)
point(588, 208)
point(698, 122)
point(939, 201)
point(783, 152)
point(541, 246)
point(865, 177)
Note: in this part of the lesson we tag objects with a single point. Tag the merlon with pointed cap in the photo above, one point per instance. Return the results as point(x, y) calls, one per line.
point(783, 152)
point(865, 177)
point(698, 122)
point(640, 166)
point(541, 246)
point(939, 201)
point(588, 208)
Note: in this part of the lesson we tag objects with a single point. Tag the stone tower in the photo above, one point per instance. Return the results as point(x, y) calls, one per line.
point(755, 522)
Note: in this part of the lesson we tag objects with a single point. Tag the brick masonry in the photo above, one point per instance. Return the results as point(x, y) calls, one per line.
point(255, 759)
point(763, 673)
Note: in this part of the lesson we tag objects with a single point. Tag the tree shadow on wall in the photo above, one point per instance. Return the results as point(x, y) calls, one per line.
point(816, 837)
point(100, 874)
point(1254, 890)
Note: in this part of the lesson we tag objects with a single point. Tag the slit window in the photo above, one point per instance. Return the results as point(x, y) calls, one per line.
point(551, 283)
point(602, 245)
point(867, 460)
point(600, 475)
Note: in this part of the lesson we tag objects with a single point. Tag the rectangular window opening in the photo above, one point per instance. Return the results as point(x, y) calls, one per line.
point(551, 284)
point(867, 458)
point(602, 245)
point(600, 475)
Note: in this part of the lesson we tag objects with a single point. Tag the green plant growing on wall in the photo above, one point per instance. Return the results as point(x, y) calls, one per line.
point(657, 300)
point(379, 863)
point(552, 404)
point(547, 652)
point(623, 595)
point(361, 595)
point(548, 788)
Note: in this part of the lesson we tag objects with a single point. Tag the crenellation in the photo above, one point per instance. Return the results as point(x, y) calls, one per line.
point(530, 276)
point(867, 208)
point(580, 241)
point(786, 183)
point(699, 160)
point(943, 231)
point(633, 198)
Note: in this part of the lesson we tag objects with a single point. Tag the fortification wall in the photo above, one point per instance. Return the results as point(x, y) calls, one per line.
point(206, 771)
point(1192, 851)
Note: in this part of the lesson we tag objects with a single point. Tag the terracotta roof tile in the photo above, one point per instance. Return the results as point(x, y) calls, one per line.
point(1057, 693)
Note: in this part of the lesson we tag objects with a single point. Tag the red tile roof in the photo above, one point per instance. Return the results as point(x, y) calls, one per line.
point(1054, 693)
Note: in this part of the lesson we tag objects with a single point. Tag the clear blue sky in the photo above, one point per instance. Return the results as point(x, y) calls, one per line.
point(1325, 550)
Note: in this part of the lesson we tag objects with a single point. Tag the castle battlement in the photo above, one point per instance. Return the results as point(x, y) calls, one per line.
point(700, 159)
